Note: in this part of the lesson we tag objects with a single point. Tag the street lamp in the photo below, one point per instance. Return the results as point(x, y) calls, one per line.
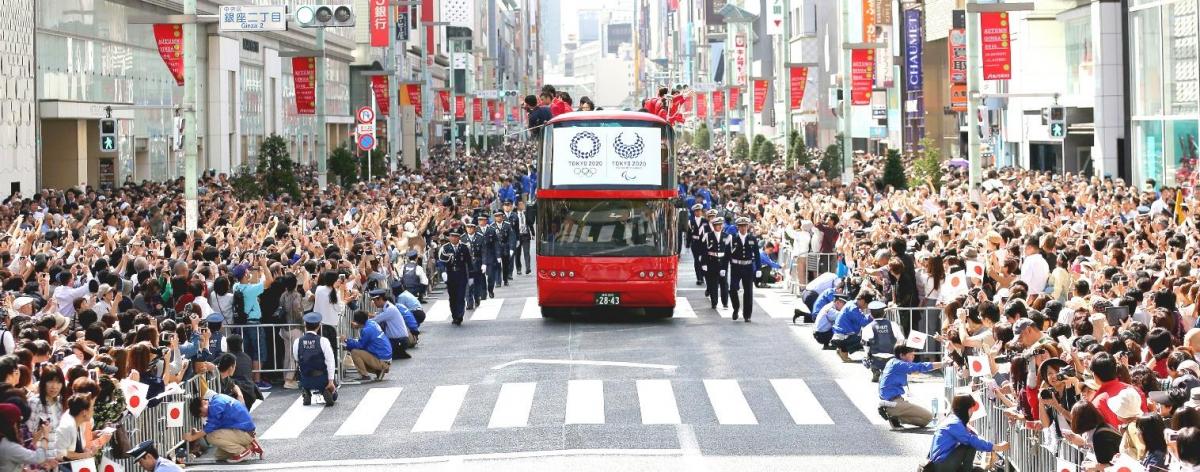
point(736, 16)
point(428, 89)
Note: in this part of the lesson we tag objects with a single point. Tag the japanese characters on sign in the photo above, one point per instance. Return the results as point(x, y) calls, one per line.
point(379, 84)
point(799, 79)
point(741, 69)
point(994, 46)
point(304, 77)
point(170, 46)
point(253, 18)
point(379, 23)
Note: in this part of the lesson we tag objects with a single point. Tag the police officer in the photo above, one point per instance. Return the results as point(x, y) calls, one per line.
point(716, 262)
point(743, 257)
point(146, 456)
point(412, 276)
point(457, 257)
point(880, 337)
point(696, 227)
point(314, 360)
point(491, 265)
point(507, 243)
point(212, 338)
point(478, 285)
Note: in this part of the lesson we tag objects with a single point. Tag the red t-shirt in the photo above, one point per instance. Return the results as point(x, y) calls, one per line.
point(1107, 390)
point(1160, 368)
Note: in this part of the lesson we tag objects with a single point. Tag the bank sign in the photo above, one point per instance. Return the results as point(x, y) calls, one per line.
point(607, 156)
point(912, 48)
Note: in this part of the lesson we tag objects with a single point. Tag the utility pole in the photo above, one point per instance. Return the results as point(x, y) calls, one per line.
point(847, 90)
point(453, 98)
point(973, 79)
point(786, 45)
point(429, 96)
point(748, 88)
point(322, 132)
point(726, 113)
point(191, 149)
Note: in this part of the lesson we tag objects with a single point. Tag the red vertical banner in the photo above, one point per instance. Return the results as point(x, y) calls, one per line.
point(427, 15)
point(797, 80)
point(516, 114)
point(170, 46)
point(701, 106)
point(493, 113)
point(476, 110)
point(862, 76)
point(383, 94)
point(412, 96)
point(379, 23)
point(460, 107)
point(760, 95)
point(443, 101)
point(719, 103)
point(995, 49)
point(304, 77)
point(735, 93)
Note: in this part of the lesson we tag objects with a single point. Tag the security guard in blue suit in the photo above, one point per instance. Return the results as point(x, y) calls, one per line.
point(457, 258)
point(507, 244)
point(146, 456)
point(491, 265)
point(743, 257)
point(314, 361)
point(478, 286)
point(716, 262)
point(697, 225)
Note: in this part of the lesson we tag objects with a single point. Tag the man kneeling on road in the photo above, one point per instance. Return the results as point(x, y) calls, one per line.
point(848, 325)
point(397, 324)
point(227, 425)
point(892, 404)
point(371, 352)
point(314, 360)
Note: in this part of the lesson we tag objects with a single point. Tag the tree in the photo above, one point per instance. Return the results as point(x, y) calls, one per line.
point(703, 139)
point(927, 167)
point(831, 162)
point(767, 152)
point(741, 149)
point(378, 161)
point(756, 145)
point(802, 159)
point(893, 171)
point(792, 140)
point(245, 183)
point(276, 169)
point(342, 165)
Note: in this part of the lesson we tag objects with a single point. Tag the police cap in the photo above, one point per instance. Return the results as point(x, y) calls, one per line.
point(718, 219)
point(697, 207)
point(142, 449)
point(876, 305)
point(743, 221)
point(312, 317)
point(378, 293)
point(215, 317)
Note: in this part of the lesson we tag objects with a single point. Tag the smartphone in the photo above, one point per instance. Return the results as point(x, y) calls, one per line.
point(1116, 315)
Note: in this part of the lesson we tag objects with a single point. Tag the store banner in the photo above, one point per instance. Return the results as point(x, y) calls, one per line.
point(516, 114)
point(956, 41)
point(702, 106)
point(718, 103)
point(868, 20)
point(862, 76)
point(995, 49)
point(460, 107)
point(169, 38)
point(304, 79)
point(735, 95)
point(379, 84)
point(476, 110)
point(760, 95)
point(379, 23)
point(412, 96)
point(798, 77)
point(741, 68)
point(883, 13)
point(958, 97)
point(913, 50)
point(443, 102)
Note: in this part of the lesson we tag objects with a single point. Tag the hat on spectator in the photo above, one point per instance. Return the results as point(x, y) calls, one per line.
point(412, 253)
point(215, 317)
point(141, 449)
point(238, 271)
point(378, 293)
point(742, 221)
point(312, 317)
point(697, 207)
point(1126, 404)
point(1143, 209)
point(1020, 326)
point(22, 301)
point(1194, 398)
point(103, 290)
point(1173, 398)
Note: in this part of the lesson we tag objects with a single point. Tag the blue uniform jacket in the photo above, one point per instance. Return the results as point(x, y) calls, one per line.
point(391, 317)
point(706, 196)
point(226, 412)
point(895, 377)
point(825, 298)
point(372, 340)
point(950, 434)
point(850, 321)
point(507, 193)
point(765, 260)
point(408, 301)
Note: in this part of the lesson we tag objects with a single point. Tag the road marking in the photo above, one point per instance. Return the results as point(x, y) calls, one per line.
point(441, 409)
point(683, 308)
point(583, 362)
point(513, 405)
point(342, 464)
point(487, 310)
point(774, 305)
point(531, 310)
point(864, 397)
point(800, 402)
point(440, 311)
point(293, 421)
point(370, 412)
point(259, 403)
point(585, 402)
point(728, 402)
point(657, 401)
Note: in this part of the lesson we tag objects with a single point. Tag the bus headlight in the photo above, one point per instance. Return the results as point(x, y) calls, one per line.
point(660, 274)
point(642, 274)
point(571, 274)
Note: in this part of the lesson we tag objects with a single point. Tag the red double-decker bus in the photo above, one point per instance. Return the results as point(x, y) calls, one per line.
point(606, 216)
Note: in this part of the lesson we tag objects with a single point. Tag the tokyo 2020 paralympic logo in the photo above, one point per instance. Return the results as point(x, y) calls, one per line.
point(628, 151)
point(592, 149)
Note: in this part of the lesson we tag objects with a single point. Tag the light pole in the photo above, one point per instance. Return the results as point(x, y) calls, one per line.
point(427, 92)
point(735, 16)
point(398, 53)
point(974, 37)
point(453, 97)
point(488, 121)
point(191, 148)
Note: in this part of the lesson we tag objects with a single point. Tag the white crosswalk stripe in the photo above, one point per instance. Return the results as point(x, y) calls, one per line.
point(657, 401)
point(259, 403)
point(585, 402)
point(440, 311)
point(513, 405)
point(683, 308)
point(864, 397)
point(293, 421)
point(800, 402)
point(487, 310)
point(371, 410)
point(728, 402)
point(775, 303)
point(531, 310)
point(442, 408)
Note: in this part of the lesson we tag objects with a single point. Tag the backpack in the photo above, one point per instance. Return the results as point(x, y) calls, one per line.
point(239, 308)
point(409, 277)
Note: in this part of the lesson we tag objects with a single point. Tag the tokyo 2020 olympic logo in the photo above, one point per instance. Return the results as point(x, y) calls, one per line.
point(592, 146)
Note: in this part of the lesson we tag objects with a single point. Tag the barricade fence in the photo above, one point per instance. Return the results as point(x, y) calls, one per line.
point(152, 424)
point(927, 320)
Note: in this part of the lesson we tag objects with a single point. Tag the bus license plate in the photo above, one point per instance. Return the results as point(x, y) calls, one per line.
point(608, 299)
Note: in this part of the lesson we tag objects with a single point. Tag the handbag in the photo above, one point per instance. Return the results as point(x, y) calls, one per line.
point(121, 444)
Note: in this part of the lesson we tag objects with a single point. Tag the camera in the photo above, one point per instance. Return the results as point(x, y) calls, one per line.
point(1046, 394)
point(105, 368)
point(166, 338)
point(1066, 372)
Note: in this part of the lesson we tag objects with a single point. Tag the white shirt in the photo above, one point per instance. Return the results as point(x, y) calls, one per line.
point(66, 296)
point(868, 332)
point(822, 282)
point(1034, 272)
point(329, 311)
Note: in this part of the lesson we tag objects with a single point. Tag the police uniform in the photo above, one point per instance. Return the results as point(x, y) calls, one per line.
point(477, 290)
point(457, 257)
point(883, 340)
point(492, 268)
point(160, 464)
point(507, 243)
point(743, 259)
point(216, 338)
point(314, 362)
point(716, 263)
point(696, 227)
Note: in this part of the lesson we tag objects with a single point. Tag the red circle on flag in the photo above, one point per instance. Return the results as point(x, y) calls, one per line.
point(174, 413)
point(954, 281)
point(1124, 469)
point(110, 468)
point(1066, 469)
point(979, 270)
point(976, 366)
point(85, 469)
point(134, 401)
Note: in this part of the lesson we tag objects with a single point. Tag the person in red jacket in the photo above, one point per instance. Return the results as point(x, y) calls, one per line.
point(561, 104)
point(657, 105)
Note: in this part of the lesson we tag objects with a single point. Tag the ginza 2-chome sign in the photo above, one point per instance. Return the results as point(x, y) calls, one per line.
point(607, 156)
point(253, 18)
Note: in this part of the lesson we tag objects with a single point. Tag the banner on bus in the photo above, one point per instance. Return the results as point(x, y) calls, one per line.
point(607, 156)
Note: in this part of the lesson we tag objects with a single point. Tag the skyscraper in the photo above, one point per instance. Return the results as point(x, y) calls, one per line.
point(589, 26)
point(551, 29)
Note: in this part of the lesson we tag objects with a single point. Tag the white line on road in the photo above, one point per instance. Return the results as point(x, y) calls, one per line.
point(774, 304)
point(585, 402)
point(487, 310)
point(728, 402)
point(440, 311)
point(343, 464)
point(800, 402)
point(531, 310)
point(582, 362)
point(441, 409)
point(683, 308)
point(657, 401)
point(865, 397)
point(293, 421)
point(513, 405)
point(371, 410)
point(259, 403)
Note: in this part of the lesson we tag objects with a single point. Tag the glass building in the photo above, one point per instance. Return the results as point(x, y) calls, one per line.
point(1164, 90)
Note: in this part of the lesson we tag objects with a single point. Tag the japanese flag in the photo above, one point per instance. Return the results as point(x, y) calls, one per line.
point(135, 396)
point(975, 270)
point(956, 285)
point(175, 415)
point(1124, 463)
point(1064, 466)
point(107, 465)
point(83, 465)
point(979, 366)
point(982, 410)
point(916, 339)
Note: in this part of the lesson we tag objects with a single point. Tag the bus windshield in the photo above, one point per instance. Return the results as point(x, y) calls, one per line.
point(614, 228)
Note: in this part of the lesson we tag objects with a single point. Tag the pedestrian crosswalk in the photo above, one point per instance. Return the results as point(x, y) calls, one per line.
point(769, 302)
point(700, 402)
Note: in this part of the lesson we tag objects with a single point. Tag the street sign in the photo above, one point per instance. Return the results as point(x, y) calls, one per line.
point(366, 142)
point(487, 94)
point(402, 26)
point(253, 18)
point(775, 18)
point(365, 128)
point(365, 115)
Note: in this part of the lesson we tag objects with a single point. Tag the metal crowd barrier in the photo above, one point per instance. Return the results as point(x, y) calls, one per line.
point(279, 350)
point(152, 423)
point(929, 322)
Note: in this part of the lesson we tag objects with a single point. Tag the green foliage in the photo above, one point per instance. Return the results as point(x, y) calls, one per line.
point(831, 162)
point(792, 146)
point(342, 166)
point(767, 152)
point(741, 149)
point(703, 139)
point(927, 166)
point(245, 183)
point(276, 169)
point(756, 145)
point(893, 171)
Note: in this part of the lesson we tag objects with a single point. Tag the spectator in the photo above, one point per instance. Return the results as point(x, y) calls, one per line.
point(13, 453)
point(954, 443)
point(227, 426)
point(1104, 370)
point(371, 351)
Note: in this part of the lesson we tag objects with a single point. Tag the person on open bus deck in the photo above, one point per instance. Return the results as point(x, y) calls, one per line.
point(743, 255)
point(457, 257)
point(696, 228)
point(716, 262)
point(477, 289)
point(561, 104)
point(585, 104)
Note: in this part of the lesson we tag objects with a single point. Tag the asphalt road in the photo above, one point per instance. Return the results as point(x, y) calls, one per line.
point(694, 393)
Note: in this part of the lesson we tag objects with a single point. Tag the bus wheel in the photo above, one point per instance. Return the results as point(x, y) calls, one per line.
point(553, 313)
point(660, 312)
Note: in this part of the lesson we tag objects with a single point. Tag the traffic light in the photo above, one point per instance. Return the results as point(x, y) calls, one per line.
point(1057, 121)
point(324, 16)
point(108, 135)
point(177, 134)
